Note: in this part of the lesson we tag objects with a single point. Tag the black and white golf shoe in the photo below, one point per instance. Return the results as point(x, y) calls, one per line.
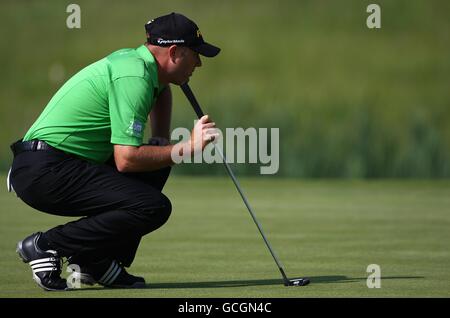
point(46, 265)
point(107, 273)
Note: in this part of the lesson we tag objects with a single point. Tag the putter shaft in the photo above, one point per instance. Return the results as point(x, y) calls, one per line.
point(250, 210)
point(190, 96)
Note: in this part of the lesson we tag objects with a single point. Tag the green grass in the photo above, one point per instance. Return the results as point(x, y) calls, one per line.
point(329, 231)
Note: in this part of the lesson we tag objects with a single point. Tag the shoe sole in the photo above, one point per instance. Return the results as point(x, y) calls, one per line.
point(25, 259)
point(134, 286)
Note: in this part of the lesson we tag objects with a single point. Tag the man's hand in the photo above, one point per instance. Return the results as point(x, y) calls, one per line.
point(202, 134)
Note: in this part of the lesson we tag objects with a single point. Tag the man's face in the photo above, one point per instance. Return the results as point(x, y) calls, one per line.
point(185, 62)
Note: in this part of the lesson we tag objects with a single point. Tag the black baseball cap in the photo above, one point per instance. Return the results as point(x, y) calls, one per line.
point(176, 29)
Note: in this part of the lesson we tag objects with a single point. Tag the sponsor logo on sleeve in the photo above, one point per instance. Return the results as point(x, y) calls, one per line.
point(135, 129)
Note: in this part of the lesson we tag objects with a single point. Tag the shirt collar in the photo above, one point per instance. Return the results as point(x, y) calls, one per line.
point(150, 64)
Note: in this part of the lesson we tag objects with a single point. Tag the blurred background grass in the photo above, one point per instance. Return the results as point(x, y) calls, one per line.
point(350, 102)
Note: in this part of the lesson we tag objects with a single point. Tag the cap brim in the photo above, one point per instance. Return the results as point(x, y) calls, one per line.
point(206, 49)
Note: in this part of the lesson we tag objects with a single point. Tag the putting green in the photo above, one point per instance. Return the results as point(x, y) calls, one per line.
point(329, 231)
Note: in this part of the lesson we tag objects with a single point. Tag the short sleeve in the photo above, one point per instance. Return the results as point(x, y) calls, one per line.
point(130, 100)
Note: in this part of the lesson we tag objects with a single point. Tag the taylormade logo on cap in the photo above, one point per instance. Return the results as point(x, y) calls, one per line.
point(162, 41)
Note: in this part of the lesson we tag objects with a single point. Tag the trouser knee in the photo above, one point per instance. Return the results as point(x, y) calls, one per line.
point(165, 210)
point(156, 215)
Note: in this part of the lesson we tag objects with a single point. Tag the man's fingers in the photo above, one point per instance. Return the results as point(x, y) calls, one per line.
point(214, 137)
point(211, 131)
point(211, 134)
point(207, 130)
point(209, 125)
point(204, 119)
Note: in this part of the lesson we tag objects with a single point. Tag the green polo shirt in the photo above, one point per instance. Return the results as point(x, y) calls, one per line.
point(106, 103)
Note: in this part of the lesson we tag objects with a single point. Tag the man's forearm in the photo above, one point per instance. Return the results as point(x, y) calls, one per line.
point(143, 158)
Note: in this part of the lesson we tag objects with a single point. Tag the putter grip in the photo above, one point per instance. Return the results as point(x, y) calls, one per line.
point(190, 96)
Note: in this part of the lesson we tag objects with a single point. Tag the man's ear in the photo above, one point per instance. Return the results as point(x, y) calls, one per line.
point(172, 53)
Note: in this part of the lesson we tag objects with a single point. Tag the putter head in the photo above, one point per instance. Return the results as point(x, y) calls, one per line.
point(297, 282)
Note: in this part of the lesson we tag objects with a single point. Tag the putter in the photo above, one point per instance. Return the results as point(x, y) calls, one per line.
point(287, 282)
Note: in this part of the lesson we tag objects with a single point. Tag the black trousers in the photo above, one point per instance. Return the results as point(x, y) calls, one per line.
point(118, 208)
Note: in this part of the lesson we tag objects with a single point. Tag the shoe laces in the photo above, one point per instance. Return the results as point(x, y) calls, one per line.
point(52, 264)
